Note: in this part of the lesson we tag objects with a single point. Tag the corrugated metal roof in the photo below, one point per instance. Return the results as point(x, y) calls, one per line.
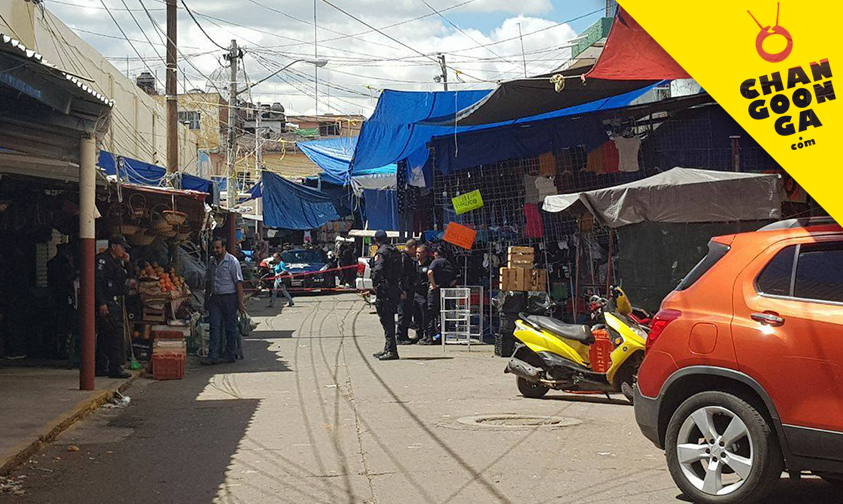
point(17, 48)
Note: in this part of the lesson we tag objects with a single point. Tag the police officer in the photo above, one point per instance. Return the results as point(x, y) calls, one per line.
point(111, 284)
point(422, 286)
point(406, 308)
point(386, 278)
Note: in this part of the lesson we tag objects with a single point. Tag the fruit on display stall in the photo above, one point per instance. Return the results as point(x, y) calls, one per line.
point(169, 282)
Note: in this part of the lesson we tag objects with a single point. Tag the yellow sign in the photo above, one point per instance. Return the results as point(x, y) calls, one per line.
point(468, 202)
point(769, 65)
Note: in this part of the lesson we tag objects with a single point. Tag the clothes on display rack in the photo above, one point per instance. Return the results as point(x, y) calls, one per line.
point(545, 187)
point(628, 152)
point(534, 227)
point(547, 164)
point(603, 159)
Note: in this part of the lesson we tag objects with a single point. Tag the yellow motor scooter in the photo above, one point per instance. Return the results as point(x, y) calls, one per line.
point(551, 354)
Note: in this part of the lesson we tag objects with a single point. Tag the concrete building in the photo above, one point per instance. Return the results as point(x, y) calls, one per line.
point(138, 127)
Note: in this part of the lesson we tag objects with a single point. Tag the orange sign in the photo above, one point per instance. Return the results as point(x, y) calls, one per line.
point(460, 235)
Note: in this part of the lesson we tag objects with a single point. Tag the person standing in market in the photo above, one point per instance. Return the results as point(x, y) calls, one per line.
point(282, 275)
point(386, 278)
point(406, 308)
point(223, 298)
point(261, 249)
point(420, 292)
point(440, 274)
point(111, 283)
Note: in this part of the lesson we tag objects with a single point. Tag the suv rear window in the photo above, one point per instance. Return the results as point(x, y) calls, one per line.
point(819, 272)
point(716, 251)
point(777, 275)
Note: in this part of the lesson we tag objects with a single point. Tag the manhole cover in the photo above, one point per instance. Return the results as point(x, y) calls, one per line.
point(512, 421)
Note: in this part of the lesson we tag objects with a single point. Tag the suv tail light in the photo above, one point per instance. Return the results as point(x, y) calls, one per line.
point(662, 319)
point(361, 269)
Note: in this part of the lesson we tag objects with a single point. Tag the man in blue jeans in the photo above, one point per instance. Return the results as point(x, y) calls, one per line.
point(223, 297)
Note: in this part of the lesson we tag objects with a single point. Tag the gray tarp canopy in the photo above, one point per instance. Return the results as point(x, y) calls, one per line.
point(679, 195)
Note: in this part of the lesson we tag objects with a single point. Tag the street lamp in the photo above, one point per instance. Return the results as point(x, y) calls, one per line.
point(231, 185)
point(319, 63)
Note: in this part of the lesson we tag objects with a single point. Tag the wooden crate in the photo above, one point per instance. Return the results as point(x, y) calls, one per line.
point(520, 261)
point(523, 279)
point(520, 250)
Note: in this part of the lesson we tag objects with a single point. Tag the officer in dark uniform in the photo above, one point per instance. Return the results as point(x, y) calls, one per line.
point(112, 282)
point(422, 286)
point(386, 278)
point(406, 308)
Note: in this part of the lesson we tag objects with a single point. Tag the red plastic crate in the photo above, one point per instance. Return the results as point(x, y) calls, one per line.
point(168, 366)
point(600, 352)
point(170, 335)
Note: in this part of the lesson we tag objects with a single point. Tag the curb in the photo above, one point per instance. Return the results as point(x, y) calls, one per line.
point(24, 450)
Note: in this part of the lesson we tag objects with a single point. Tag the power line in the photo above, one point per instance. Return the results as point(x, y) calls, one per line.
point(126, 37)
point(200, 26)
point(352, 16)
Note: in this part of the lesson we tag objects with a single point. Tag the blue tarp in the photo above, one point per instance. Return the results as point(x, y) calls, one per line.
point(393, 132)
point(333, 156)
point(398, 127)
point(142, 173)
point(287, 205)
point(529, 137)
point(381, 209)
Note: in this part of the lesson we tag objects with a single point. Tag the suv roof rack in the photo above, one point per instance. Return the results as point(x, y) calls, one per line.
point(799, 223)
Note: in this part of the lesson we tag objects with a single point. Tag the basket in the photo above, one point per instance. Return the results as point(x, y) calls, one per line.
point(168, 234)
point(137, 206)
point(183, 234)
point(125, 229)
point(140, 239)
point(174, 217)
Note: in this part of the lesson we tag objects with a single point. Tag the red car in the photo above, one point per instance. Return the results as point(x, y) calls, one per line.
point(743, 374)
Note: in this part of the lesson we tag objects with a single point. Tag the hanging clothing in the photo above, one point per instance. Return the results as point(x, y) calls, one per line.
point(534, 227)
point(531, 194)
point(628, 152)
point(545, 186)
point(547, 164)
point(603, 159)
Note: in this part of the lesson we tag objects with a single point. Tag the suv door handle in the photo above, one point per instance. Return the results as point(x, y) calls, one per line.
point(772, 319)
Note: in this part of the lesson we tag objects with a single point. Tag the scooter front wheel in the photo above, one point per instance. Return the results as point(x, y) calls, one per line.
point(531, 390)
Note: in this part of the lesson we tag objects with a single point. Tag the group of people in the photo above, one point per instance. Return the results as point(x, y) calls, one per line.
point(408, 283)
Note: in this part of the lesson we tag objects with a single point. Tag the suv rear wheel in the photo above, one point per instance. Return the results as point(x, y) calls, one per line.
point(721, 450)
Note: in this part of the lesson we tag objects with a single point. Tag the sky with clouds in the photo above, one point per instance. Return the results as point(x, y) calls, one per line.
point(480, 40)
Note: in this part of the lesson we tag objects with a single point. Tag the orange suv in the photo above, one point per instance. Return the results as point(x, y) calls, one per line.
point(743, 374)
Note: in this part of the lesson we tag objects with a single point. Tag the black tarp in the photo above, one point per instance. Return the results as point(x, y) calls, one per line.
point(537, 95)
point(654, 256)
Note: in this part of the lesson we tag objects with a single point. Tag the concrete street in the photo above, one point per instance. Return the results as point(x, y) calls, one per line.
point(311, 417)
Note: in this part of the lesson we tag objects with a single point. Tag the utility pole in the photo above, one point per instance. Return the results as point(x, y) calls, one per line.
point(258, 142)
point(231, 183)
point(444, 68)
point(316, 68)
point(172, 91)
point(523, 56)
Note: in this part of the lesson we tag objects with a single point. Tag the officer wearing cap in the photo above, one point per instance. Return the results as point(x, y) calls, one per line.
point(111, 284)
point(386, 277)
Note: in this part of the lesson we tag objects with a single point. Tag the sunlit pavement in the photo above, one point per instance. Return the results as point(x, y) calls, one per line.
point(311, 416)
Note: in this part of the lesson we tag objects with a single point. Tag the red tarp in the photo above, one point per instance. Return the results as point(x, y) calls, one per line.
point(632, 54)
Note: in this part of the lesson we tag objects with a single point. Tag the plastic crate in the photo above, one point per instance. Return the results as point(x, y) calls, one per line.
point(167, 366)
point(600, 352)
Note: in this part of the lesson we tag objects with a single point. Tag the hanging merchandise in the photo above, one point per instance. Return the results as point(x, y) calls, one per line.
point(545, 186)
point(401, 183)
point(534, 227)
point(628, 148)
point(547, 164)
point(603, 159)
point(531, 192)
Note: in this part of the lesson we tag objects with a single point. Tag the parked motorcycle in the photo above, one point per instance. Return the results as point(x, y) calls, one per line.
point(551, 354)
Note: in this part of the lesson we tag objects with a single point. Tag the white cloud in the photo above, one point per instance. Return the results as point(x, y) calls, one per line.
point(358, 67)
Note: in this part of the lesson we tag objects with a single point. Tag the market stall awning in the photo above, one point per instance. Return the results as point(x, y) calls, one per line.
point(632, 54)
point(526, 98)
point(334, 155)
point(139, 172)
point(679, 195)
point(396, 130)
point(287, 205)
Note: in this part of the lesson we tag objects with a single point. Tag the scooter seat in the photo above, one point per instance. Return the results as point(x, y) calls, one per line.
point(576, 332)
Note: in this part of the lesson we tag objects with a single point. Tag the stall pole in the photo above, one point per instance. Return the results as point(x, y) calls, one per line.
point(609, 266)
point(87, 235)
point(232, 232)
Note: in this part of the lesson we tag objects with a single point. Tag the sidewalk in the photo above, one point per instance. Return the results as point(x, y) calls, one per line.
point(37, 403)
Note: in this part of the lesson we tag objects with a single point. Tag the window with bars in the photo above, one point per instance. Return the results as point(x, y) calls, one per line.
point(191, 118)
